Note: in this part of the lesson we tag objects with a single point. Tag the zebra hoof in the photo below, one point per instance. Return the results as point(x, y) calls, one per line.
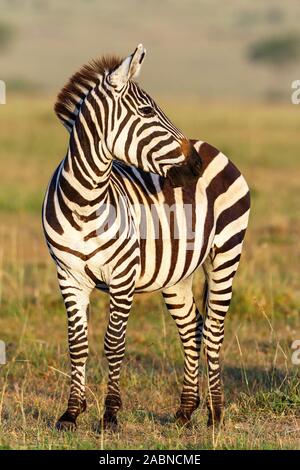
point(66, 426)
point(182, 419)
point(108, 423)
point(66, 422)
point(215, 419)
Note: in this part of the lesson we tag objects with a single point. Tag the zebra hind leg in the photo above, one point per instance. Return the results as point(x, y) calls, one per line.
point(219, 268)
point(181, 304)
point(77, 303)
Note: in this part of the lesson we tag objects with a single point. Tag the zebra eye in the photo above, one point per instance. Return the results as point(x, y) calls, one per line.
point(147, 111)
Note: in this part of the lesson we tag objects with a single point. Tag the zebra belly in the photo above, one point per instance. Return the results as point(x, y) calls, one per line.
point(164, 259)
point(168, 275)
point(165, 262)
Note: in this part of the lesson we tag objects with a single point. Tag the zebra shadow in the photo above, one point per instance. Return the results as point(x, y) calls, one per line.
point(272, 385)
point(163, 419)
point(235, 378)
point(252, 379)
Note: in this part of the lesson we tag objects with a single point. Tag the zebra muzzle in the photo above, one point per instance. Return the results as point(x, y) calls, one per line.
point(186, 173)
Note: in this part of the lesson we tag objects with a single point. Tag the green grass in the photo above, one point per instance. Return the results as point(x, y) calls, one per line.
point(262, 386)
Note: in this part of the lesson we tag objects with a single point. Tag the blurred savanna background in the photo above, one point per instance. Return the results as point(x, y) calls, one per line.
point(222, 71)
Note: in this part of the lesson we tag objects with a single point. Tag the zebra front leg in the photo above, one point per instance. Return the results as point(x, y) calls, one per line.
point(77, 303)
point(114, 347)
point(181, 304)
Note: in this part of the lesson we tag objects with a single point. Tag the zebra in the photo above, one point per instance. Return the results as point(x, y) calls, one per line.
point(134, 207)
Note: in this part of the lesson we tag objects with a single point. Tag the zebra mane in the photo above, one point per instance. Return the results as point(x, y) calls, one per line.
point(70, 98)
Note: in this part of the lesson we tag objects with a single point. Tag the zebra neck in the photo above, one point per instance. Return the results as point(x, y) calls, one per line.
point(84, 179)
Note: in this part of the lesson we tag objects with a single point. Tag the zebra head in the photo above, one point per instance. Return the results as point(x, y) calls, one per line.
point(140, 133)
point(130, 125)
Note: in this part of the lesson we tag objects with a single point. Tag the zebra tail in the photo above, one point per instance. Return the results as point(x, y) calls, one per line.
point(204, 296)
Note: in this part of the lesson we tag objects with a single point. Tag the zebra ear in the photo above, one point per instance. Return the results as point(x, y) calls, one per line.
point(137, 59)
point(129, 68)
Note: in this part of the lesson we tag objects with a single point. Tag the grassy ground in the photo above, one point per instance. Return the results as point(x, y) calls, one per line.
point(261, 384)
